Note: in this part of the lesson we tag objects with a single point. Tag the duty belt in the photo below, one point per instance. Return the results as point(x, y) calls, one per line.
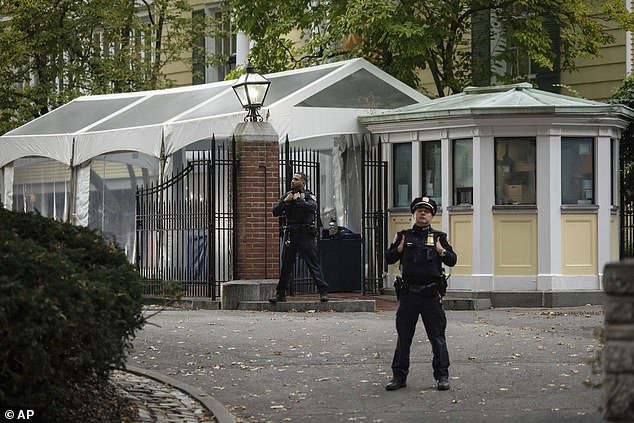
point(421, 288)
point(301, 228)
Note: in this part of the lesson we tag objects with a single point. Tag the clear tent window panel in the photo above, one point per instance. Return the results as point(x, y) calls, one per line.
point(159, 108)
point(41, 185)
point(74, 116)
point(112, 198)
point(285, 84)
point(226, 102)
point(359, 90)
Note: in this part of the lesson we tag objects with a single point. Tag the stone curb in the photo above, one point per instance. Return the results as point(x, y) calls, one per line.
point(367, 306)
point(217, 409)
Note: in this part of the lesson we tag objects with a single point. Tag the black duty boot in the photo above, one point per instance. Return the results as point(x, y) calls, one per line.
point(395, 384)
point(443, 383)
point(323, 297)
point(278, 299)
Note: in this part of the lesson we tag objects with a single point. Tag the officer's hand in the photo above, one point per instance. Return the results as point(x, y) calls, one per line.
point(439, 246)
point(296, 195)
point(289, 197)
point(401, 245)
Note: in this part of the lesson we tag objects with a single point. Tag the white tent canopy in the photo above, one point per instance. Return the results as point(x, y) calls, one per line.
point(312, 104)
point(82, 161)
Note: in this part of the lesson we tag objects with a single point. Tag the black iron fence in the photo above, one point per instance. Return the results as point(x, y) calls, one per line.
point(185, 225)
point(627, 231)
point(626, 247)
point(374, 216)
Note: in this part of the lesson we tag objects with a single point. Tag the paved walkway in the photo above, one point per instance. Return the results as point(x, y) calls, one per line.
point(508, 365)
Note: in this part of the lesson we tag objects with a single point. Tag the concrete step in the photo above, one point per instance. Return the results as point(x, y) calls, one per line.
point(453, 303)
point(307, 306)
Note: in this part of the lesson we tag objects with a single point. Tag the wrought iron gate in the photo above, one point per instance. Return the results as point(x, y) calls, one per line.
point(626, 249)
point(185, 226)
point(293, 160)
point(374, 215)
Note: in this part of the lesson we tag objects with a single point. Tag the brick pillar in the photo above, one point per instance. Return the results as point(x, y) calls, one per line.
point(618, 351)
point(257, 191)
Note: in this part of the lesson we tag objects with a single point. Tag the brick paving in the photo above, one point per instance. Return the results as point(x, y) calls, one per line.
point(159, 402)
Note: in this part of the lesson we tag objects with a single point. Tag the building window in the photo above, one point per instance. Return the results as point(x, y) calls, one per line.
point(462, 171)
point(402, 188)
point(515, 171)
point(577, 171)
point(224, 47)
point(432, 167)
point(213, 56)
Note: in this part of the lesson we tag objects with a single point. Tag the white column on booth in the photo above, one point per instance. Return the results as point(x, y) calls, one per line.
point(386, 144)
point(548, 208)
point(603, 198)
point(483, 201)
point(445, 180)
point(417, 173)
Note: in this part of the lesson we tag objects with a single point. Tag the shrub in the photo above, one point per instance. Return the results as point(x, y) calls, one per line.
point(70, 304)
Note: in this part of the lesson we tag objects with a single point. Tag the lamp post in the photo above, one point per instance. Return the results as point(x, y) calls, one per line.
point(251, 89)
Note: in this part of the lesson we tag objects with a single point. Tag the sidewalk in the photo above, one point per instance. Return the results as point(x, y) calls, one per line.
point(508, 365)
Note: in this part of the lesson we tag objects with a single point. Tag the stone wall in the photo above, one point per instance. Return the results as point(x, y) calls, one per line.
point(618, 352)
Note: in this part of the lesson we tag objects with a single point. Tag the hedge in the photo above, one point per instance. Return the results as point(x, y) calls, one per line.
point(70, 305)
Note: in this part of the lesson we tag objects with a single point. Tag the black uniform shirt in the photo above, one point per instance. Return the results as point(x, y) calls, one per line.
point(421, 263)
point(300, 211)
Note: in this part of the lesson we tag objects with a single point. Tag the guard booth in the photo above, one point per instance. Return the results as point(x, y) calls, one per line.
point(527, 183)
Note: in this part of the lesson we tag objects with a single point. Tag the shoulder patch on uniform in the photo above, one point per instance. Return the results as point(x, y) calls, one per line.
point(313, 197)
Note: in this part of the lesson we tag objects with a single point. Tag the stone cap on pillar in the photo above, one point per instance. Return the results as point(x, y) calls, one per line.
point(255, 131)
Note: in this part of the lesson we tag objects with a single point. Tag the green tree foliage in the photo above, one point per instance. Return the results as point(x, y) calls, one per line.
point(625, 95)
point(54, 51)
point(408, 35)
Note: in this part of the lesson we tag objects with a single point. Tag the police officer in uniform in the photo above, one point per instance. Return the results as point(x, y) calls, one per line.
point(422, 251)
point(298, 206)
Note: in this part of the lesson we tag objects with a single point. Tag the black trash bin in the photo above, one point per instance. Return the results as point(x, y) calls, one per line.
point(341, 263)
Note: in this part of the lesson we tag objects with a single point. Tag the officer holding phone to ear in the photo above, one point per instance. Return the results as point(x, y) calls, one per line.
point(422, 251)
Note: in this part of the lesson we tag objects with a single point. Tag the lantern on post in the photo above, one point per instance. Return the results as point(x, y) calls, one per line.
point(251, 89)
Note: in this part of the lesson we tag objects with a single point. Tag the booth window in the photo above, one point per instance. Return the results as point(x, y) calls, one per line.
point(402, 174)
point(432, 167)
point(462, 159)
point(577, 170)
point(515, 171)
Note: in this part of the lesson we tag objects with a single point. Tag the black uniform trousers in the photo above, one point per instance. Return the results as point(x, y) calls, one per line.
point(306, 245)
point(430, 308)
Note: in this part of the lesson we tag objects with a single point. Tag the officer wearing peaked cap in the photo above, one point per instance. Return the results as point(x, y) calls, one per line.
point(422, 251)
